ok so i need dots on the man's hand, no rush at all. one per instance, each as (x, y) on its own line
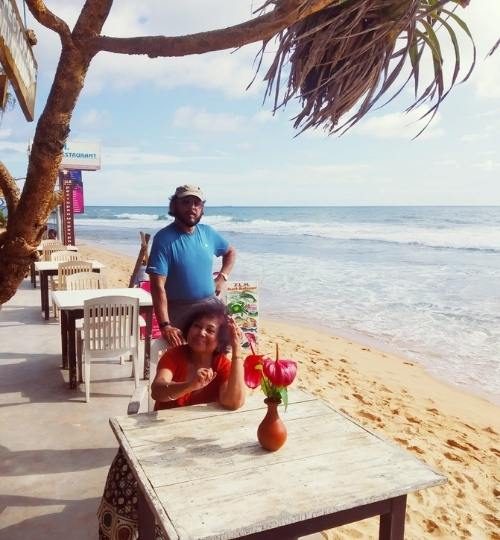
(220, 284)
(173, 336)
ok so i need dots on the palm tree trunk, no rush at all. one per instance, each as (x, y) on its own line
(26, 221)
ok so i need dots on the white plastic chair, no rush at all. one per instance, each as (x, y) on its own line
(85, 280)
(64, 256)
(78, 282)
(110, 329)
(141, 400)
(48, 249)
(49, 242)
(65, 269)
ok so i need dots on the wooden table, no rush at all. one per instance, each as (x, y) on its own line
(70, 304)
(203, 475)
(32, 265)
(50, 268)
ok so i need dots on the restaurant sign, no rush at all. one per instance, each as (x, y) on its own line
(17, 57)
(84, 156)
(242, 300)
(66, 184)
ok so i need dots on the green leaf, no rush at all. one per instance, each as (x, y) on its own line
(283, 392)
(263, 386)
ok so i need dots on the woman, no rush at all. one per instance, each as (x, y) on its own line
(197, 372)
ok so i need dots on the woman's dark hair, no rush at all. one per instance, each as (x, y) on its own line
(217, 312)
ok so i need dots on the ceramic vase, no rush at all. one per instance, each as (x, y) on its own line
(272, 431)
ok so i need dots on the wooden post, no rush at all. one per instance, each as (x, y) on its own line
(143, 256)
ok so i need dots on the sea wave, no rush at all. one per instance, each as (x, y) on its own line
(463, 237)
(483, 238)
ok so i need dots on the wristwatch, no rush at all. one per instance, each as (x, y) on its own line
(164, 324)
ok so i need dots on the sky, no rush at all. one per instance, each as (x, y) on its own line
(170, 121)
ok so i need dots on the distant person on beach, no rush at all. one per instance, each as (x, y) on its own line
(198, 372)
(180, 264)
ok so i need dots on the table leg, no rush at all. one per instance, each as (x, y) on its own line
(44, 294)
(70, 325)
(148, 312)
(392, 524)
(33, 275)
(64, 338)
(146, 518)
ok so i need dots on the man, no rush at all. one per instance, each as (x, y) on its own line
(180, 264)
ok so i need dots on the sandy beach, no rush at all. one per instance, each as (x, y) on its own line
(454, 432)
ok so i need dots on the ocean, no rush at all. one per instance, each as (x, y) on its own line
(423, 282)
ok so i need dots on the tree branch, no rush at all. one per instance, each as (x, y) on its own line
(92, 18)
(9, 188)
(48, 19)
(261, 28)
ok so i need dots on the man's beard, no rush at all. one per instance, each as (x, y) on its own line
(188, 222)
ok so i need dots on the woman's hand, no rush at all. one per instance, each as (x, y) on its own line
(202, 377)
(236, 335)
(232, 392)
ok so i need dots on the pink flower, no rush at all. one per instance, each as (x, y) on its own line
(273, 376)
(281, 372)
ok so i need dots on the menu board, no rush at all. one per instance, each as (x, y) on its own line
(243, 305)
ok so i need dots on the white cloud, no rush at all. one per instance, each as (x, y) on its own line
(487, 114)
(121, 156)
(471, 137)
(488, 81)
(21, 147)
(449, 163)
(488, 165)
(400, 125)
(189, 118)
(94, 118)
(222, 71)
(482, 19)
(337, 173)
(263, 117)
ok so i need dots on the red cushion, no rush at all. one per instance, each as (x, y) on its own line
(155, 330)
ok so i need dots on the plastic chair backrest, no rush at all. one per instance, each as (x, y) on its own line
(63, 256)
(48, 242)
(110, 326)
(85, 280)
(50, 248)
(65, 269)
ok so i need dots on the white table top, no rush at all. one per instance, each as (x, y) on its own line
(208, 478)
(75, 299)
(53, 265)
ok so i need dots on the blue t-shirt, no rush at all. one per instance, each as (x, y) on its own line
(186, 260)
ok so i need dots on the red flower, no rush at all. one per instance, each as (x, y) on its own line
(273, 376)
(281, 372)
(253, 370)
